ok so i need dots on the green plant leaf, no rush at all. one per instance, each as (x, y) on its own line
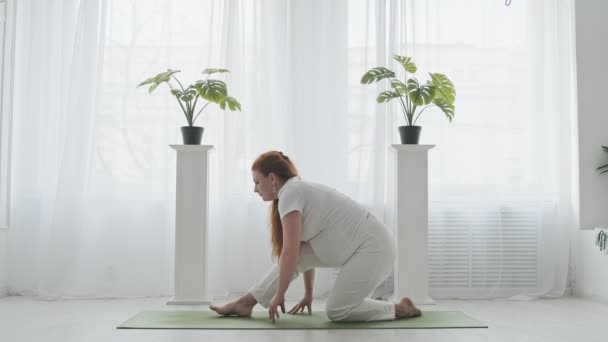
(376, 74)
(445, 87)
(445, 107)
(210, 71)
(176, 92)
(187, 97)
(386, 96)
(191, 90)
(232, 103)
(152, 87)
(212, 90)
(158, 79)
(147, 81)
(605, 167)
(398, 86)
(406, 63)
(420, 94)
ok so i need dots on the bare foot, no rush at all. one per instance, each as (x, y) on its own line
(406, 308)
(241, 307)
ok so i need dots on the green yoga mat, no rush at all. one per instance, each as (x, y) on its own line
(259, 320)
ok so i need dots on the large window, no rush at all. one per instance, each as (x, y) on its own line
(498, 176)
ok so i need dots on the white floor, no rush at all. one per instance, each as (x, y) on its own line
(566, 319)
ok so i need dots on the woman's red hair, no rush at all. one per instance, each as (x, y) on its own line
(279, 164)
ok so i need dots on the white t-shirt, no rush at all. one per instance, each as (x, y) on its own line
(330, 220)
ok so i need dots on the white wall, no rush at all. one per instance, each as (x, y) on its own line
(7, 9)
(591, 55)
(592, 269)
(590, 266)
(6, 59)
(3, 281)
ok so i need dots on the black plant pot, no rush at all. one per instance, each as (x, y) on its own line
(409, 134)
(192, 135)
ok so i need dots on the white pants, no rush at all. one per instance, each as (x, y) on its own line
(369, 265)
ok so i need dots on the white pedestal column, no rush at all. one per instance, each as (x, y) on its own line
(191, 220)
(411, 222)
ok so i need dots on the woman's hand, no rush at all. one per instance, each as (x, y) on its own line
(273, 307)
(305, 302)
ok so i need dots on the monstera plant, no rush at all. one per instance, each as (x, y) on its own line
(209, 90)
(414, 97)
(603, 168)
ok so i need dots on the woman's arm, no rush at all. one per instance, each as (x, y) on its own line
(292, 230)
(306, 302)
(309, 279)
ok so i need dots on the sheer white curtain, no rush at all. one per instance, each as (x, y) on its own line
(94, 180)
(501, 174)
(51, 241)
(94, 183)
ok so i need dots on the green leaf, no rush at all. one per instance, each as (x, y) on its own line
(445, 107)
(158, 79)
(147, 81)
(233, 104)
(445, 87)
(152, 87)
(166, 76)
(187, 97)
(605, 167)
(386, 96)
(420, 94)
(212, 90)
(406, 63)
(210, 71)
(398, 86)
(191, 90)
(376, 74)
(176, 92)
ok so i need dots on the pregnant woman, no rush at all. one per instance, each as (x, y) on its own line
(312, 226)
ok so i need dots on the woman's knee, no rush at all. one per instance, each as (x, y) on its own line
(338, 313)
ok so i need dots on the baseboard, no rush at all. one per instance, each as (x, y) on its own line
(593, 298)
(190, 301)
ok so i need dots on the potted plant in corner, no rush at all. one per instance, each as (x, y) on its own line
(603, 168)
(210, 90)
(413, 97)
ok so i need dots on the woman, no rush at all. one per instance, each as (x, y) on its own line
(313, 225)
